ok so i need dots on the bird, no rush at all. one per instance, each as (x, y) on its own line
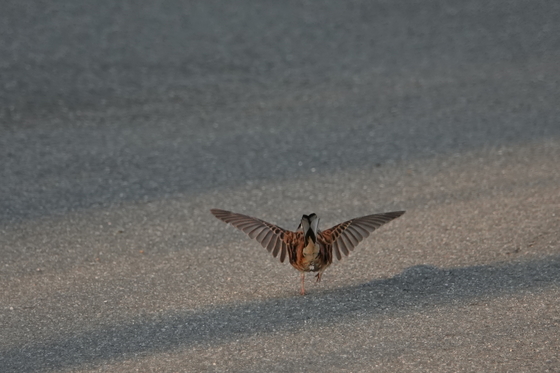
(308, 249)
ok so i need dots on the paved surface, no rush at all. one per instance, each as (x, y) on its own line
(123, 123)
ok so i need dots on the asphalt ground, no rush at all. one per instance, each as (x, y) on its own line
(123, 123)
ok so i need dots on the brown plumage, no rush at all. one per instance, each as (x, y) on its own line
(308, 248)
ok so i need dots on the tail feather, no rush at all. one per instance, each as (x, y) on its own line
(314, 223)
(310, 226)
(304, 224)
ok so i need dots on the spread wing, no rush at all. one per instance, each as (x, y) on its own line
(344, 237)
(270, 236)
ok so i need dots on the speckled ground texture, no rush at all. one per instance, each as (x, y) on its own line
(122, 123)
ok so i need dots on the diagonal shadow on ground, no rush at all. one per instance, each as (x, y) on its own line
(415, 288)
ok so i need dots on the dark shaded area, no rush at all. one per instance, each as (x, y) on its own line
(60, 56)
(107, 102)
(416, 288)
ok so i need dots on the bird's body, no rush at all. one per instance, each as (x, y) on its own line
(308, 249)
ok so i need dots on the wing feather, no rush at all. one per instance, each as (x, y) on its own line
(273, 243)
(357, 233)
(276, 250)
(347, 243)
(256, 231)
(352, 237)
(336, 251)
(260, 238)
(266, 240)
(344, 237)
(342, 246)
(270, 236)
(283, 252)
(363, 232)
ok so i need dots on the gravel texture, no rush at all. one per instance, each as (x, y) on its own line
(123, 123)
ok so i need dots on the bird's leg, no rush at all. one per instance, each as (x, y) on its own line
(302, 292)
(318, 275)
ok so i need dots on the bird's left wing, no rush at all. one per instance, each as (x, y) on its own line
(270, 236)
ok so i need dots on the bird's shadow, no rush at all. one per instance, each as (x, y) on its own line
(416, 287)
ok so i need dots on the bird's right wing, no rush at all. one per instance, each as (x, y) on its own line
(344, 237)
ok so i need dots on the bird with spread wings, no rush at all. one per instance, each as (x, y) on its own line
(308, 249)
